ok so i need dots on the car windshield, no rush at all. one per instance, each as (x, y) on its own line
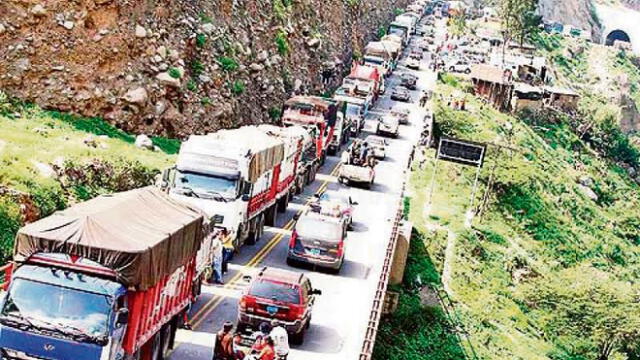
(373, 60)
(275, 291)
(54, 307)
(315, 228)
(206, 184)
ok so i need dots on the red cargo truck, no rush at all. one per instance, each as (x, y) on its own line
(109, 278)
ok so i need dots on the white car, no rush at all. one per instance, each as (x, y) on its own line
(459, 66)
(413, 63)
(378, 146)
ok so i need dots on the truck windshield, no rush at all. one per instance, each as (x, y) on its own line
(373, 60)
(397, 31)
(77, 314)
(205, 185)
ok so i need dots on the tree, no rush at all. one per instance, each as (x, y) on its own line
(458, 24)
(586, 312)
(519, 20)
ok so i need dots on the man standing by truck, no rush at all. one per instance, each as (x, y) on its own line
(223, 348)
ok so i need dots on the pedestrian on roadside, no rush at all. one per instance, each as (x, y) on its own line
(268, 352)
(236, 347)
(223, 348)
(217, 262)
(280, 339)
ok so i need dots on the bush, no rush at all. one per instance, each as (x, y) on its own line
(197, 67)
(382, 31)
(282, 43)
(192, 85)
(175, 73)
(275, 113)
(228, 64)
(10, 222)
(237, 87)
(201, 40)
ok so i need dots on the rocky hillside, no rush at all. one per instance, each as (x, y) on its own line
(577, 13)
(180, 67)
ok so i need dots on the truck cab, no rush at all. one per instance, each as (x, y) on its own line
(51, 313)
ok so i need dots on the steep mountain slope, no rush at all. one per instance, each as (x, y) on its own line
(179, 67)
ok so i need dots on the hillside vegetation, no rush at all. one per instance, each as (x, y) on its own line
(50, 160)
(548, 269)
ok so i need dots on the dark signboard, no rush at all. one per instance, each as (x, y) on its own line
(462, 151)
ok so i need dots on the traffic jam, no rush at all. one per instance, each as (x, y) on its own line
(118, 276)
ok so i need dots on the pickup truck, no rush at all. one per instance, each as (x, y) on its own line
(110, 278)
(357, 165)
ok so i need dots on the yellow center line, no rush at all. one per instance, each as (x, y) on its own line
(205, 310)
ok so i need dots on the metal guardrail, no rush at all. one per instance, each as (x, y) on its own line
(378, 301)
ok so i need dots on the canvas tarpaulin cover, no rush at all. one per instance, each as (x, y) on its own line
(141, 234)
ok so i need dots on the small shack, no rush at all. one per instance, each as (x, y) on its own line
(526, 96)
(493, 84)
(561, 98)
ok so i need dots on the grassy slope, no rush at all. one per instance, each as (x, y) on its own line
(538, 222)
(32, 139)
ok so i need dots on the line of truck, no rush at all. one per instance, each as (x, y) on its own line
(113, 277)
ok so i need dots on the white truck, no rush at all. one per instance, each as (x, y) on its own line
(357, 107)
(236, 182)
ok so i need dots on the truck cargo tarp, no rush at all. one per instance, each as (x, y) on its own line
(143, 235)
(265, 152)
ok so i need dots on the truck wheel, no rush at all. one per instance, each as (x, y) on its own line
(283, 203)
(166, 340)
(271, 215)
(254, 232)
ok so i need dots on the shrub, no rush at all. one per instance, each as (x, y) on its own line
(197, 67)
(237, 87)
(206, 101)
(382, 31)
(275, 113)
(192, 85)
(282, 43)
(205, 19)
(201, 40)
(175, 73)
(10, 222)
(228, 64)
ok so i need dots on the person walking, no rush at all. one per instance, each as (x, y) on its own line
(223, 348)
(280, 339)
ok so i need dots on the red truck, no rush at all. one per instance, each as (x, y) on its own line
(109, 278)
(318, 116)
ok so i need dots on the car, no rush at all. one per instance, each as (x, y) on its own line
(278, 294)
(388, 125)
(378, 146)
(408, 80)
(335, 203)
(318, 240)
(416, 54)
(400, 94)
(459, 66)
(413, 63)
(402, 114)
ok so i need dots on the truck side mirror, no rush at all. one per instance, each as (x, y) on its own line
(316, 292)
(245, 197)
(247, 278)
(122, 317)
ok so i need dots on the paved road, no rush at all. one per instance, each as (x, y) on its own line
(340, 314)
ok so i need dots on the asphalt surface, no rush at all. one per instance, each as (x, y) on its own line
(341, 313)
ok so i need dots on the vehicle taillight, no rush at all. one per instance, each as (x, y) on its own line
(296, 312)
(340, 248)
(292, 240)
(243, 304)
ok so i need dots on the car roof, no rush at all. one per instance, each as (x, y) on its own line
(281, 275)
(374, 138)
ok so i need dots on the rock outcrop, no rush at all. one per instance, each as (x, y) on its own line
(181, 67)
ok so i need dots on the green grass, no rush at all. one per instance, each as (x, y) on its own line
(537, 223)
(282, 43)
(39, 140)
(228, 64)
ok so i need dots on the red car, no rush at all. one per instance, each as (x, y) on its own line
(278, 294)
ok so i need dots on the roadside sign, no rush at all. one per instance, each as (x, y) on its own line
(461, 151)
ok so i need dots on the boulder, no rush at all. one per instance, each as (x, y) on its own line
(586, 191)
(68, 25)
(136, 96)
(140, 32)
(255, 67)
(165, 79)
(144, 142)
(208, 28)
(38, 10)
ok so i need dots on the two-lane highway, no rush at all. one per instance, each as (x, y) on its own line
(341, 313)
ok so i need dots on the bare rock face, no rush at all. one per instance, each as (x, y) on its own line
(180, 67)
(571, 12)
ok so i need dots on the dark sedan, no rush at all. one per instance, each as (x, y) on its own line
(400, 94)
